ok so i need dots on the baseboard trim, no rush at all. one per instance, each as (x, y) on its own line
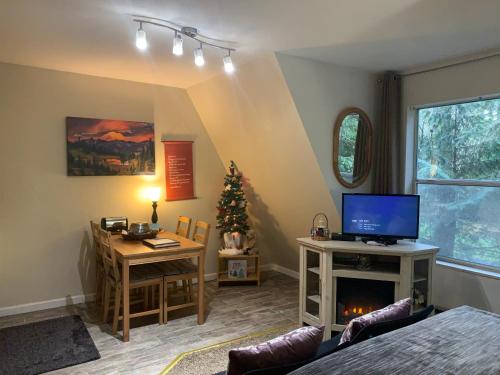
(44, 305)
(73, 300)
(283, 270)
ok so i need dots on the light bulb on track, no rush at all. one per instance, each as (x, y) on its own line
(228, 64)
(140, 39)
(199, 60)
(177, 49)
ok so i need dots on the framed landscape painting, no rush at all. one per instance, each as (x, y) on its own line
(98, 147)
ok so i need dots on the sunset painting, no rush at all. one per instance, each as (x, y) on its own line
(109, 147)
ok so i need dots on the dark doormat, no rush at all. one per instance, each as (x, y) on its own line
(45, 346)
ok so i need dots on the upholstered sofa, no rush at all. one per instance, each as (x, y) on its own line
(331, 346)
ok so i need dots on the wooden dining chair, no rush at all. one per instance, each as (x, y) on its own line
(183, 226)
(182, 229)
(99, 265)
(200, 234)
(140, 277)
(184, 270)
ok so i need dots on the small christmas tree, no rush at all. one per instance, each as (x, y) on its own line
(232, 216)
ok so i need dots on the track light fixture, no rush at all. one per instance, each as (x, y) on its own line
(140, 38)
(177, 46)
(199, 60)
(228, 63)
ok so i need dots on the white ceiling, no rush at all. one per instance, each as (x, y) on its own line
(97, 36)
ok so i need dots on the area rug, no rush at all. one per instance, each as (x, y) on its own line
(213, 358)
(44, 346)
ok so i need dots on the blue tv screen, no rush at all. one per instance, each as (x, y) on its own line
(384, 216)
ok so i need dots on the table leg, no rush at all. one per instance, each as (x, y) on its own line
(201, 287)
(126, 300)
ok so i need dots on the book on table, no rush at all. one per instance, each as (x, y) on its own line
(158, 243)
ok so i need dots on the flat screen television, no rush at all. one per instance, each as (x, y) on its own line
(380, 217)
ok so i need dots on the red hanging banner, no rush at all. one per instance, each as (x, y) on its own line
(179, 170)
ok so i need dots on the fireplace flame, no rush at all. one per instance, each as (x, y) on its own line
(357, 310)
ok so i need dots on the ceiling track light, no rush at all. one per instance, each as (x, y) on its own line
(141, 41)
(228, 63)
(199, 60)
(177, 46)
(177, 49)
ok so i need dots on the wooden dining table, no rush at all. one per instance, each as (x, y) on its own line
(130, 253)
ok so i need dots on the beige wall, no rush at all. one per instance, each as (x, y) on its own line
(320, 91)
(452, 287)
(251, 118)
(44, 240)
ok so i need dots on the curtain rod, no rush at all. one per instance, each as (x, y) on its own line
(465, 60)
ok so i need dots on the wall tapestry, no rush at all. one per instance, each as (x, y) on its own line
(179, 170)
(98, 147)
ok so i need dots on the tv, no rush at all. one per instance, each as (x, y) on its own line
(379, 217)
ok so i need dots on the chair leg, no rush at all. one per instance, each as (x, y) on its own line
(107, 292)
(185, 290)
(146, 298)
(98, 285)
(160, 298)
(191, 293)
(165, 301)
(153, 296)
(116, 312)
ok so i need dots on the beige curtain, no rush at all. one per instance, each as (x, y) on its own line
(387, 163)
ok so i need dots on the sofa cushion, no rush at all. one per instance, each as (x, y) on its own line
(381, 328)
(397, 310)
(296, 346)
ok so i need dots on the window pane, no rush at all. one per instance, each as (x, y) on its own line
(459, 141)
(464, 221)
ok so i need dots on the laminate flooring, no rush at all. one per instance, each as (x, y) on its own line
(232, 312)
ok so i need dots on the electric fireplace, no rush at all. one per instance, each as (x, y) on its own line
(356, 297)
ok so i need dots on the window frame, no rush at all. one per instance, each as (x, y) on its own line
(449, 182)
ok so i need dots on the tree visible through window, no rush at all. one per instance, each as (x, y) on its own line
(348, 133)
(458, 179)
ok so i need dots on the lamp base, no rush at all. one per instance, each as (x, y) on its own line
(154, 217)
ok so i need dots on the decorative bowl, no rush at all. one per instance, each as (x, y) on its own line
(139, 237)
(139, 228)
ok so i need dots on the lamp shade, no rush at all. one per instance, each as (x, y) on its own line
(154, 194)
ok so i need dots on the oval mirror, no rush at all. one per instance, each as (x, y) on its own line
(352, 147)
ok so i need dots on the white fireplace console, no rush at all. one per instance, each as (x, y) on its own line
(332, 272)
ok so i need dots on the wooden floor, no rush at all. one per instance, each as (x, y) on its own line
(232, 312)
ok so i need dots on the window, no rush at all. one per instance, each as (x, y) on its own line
(458, 179)
(347, 145)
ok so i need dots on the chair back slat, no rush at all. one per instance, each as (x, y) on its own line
(183, 226)
(109, 256)
(201, 232)
(96, 237)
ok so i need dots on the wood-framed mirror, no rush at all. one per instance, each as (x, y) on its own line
(352, 147)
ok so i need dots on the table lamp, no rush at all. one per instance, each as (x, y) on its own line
(154, 195)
